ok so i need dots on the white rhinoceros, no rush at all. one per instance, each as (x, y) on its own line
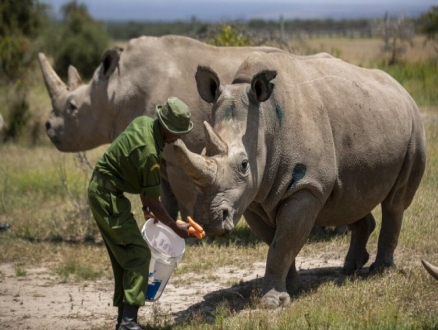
(130, 83)
(303, 141)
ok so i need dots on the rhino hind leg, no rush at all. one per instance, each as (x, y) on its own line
(340, 230)
(388, 239)
(357, 255)
(399, 199)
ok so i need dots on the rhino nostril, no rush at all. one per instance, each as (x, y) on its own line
(48, 126)
(225, 215)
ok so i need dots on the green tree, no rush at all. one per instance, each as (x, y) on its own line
(397, 33)
(78, 40)
(20, 25)
(429, 26)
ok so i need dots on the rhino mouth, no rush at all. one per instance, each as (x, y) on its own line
(51, 133)
(226, 219)
(54, 137)
(222, 225)
(54, 132)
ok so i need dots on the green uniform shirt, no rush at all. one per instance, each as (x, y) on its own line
(132, 162)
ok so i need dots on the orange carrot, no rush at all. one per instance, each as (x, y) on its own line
(195, 225)
(194, 232)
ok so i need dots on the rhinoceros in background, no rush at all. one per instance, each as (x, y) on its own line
(431, 269)
(130, 83)
(303, 141)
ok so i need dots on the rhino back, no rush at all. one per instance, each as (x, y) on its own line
(153, 68)
(342, 131)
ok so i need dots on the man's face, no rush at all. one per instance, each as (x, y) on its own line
(170, 137)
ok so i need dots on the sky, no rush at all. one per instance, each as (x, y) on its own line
(225, 10)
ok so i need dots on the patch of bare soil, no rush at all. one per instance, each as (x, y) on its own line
(39, 300)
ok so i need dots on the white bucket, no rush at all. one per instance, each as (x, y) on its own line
(167, 248)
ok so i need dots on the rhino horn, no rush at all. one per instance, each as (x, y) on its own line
(74, 79)
(214, 143)
(54, 84)
(201, 169)
(431, 269)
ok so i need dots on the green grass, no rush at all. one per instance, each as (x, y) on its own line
(79, 270)
(420, 79)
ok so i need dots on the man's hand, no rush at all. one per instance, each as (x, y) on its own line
(152, 208)
(182, 230)
(148, 214)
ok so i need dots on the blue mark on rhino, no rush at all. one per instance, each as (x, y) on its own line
(280, 114)
(229, 112)
(297, 174)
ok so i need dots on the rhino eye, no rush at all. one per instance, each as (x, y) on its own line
(244, 166)
(72, 107)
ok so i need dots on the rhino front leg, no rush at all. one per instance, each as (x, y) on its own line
(295, 219)
(357, 255)
(293, 280)
(257, 220)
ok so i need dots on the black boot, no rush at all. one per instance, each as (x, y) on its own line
(129, 320)
(119, 316)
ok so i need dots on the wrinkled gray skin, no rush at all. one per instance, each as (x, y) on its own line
(431, 269)
(303, 141)
(130, 83)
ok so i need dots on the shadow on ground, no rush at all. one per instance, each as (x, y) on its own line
(245, 295)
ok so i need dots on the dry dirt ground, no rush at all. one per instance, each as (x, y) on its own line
(40, 300)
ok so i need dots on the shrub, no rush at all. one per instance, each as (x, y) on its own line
(229, 36)
(77, 40)
(20, 24)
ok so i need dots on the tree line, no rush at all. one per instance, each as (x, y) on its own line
(195, 28)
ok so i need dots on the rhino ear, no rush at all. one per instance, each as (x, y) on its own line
(110, 61)
(261, 86)
(208, 83)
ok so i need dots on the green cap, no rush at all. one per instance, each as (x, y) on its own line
(175, 115)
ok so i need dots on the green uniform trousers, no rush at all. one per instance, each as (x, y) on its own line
(127, 249)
